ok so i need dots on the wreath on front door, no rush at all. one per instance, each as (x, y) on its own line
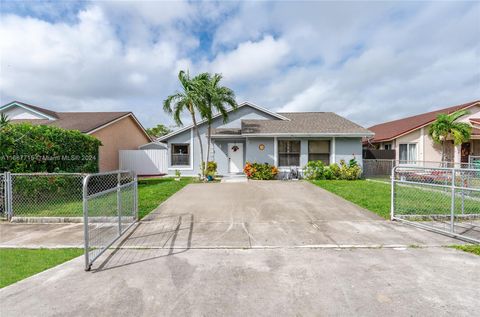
(235, 148)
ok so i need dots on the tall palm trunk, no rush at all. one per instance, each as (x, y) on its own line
(200, 143)
(209, 140)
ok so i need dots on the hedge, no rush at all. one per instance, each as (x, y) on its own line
(25, 148)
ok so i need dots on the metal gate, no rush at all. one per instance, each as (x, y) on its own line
(110, 208)
(445, 200)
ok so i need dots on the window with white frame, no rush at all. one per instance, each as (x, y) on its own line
(387, 146)
(408, 153)
(180, 155)
(288, 153)
(319, 150)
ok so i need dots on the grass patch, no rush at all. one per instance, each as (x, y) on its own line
(471, 248)
(17, 264)
(373, 196)
(153, 191)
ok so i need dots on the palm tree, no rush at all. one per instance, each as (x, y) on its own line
(187, 100)
(445, 126)
(216, 99)
(3, 120)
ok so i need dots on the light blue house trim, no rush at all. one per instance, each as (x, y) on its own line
(261, 148)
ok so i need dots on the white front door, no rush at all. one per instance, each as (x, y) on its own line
(235, 157)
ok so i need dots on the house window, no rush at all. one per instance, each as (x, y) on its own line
(408, 153)
(319, 150)
(387, 146)
(288, 153)
(180, 154)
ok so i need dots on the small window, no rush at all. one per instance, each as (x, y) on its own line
(288, 153)
(319, 150)
(387, 146)
(408, 153)
(180, 154)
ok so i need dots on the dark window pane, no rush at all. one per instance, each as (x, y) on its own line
(403, 153)
(289, 160)
(289, 153)
(180, 154)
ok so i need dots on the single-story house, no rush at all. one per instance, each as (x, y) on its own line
(116, 130)
(256, 134)
(410, 139)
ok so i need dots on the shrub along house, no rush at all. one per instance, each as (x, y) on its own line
(115, 130)
(255, 134)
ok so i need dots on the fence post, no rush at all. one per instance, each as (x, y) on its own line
(8, 196)
(135, 196)
(85, 221)
(463, 194)
(392, 195)
(119, 203)
(452, 207)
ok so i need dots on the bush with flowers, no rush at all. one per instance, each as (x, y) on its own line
(315, 170)
(260, 171)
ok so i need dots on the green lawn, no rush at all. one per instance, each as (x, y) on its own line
(472, 248)
(17, 264)
(151, 192)
(375, 196)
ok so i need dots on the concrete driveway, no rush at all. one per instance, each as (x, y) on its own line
(260, 248)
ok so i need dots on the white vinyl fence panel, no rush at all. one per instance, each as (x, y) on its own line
(144, 162)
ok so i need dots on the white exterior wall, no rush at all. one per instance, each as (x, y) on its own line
(19, 113)
(144, 162)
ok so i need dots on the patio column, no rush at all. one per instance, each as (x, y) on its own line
(275, 151)
(457, 154)
(332, 151)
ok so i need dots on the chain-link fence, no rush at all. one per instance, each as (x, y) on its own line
(3, 197)
(446, 200)
(110, 208)
(45, 195)
(382, 169)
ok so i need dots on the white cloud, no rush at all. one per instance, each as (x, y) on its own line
(369, 61)
(251, 59)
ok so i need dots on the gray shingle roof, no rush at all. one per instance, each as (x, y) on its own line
(304, 122)
(227, 131)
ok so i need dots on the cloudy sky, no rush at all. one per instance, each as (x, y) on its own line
(368, 61)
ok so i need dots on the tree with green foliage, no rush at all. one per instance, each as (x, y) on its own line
(216, 100)
(446, 127)
(27, 148)
(3, 121)
(158, 131)
(189, 100)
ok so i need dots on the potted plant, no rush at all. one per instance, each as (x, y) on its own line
(178, 175)
(211, 170)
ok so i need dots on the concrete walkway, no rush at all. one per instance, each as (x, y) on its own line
(260, 248)
(41, 235)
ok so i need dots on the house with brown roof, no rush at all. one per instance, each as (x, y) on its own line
(116, 130)
(410, 139)
(255, 134)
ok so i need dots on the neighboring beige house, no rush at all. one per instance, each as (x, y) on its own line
(411, 142)
(116, 130)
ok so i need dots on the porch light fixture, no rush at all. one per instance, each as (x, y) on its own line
(261, 147)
